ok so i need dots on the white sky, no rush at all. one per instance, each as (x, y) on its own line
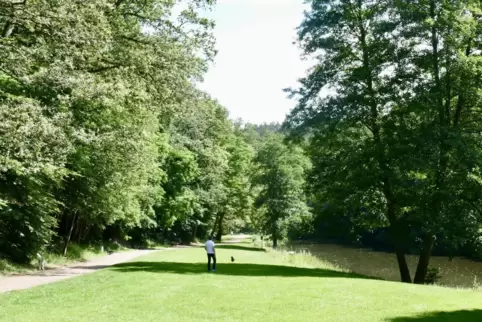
(256, 57)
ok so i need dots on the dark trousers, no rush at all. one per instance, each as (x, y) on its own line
(213, 256)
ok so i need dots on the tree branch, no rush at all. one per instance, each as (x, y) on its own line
(8, 29)
(118, 3)
(24, 2)
(139, 41)
(133, 14)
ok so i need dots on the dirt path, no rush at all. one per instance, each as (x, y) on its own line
(12, 283)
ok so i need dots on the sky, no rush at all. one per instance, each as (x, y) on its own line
(256, 58)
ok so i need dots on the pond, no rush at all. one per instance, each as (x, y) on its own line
(459, 272)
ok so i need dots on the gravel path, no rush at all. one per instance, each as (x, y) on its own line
(12, 283)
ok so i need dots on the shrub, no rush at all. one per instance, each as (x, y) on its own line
(433, 275)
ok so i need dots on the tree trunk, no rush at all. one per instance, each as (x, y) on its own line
(275, 241)
(381, 158)
(424, 260)
(194, 231)
(70, 234)
(8, 29)
(398, 243)
(403, 266)
(215, 225)
(85, 232)
(274, 236)
(78, 230)
(219, 234)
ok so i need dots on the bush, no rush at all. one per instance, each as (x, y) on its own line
(8, 267)
(433, 275)
(23, 235)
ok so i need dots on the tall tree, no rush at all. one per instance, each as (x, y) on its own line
(239, 199)
(352, 46)
(445, 58)
(281, 171)
(382, 140)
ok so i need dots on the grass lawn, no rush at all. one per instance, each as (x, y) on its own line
(174, 285)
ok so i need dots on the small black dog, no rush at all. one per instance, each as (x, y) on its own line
(232, 259)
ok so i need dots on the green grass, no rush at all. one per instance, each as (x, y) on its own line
(7, 268)
(174, 285)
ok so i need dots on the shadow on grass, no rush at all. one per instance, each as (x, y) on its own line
(462, 316)
(238, 247)
(231, 269)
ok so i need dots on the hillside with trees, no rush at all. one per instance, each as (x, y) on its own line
(105, 136)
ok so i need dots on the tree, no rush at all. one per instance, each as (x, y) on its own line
(239, 199)
(34, 150)
(94, 87)
(380, 142)
(281, 170)
(34, 101)
(446, 64)
(352, 50)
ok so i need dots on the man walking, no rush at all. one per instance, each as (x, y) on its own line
(209, 246)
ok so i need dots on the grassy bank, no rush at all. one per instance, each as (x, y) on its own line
(75, 253)
(174, 285)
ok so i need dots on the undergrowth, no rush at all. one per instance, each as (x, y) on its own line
(55, 258)
(302, 259)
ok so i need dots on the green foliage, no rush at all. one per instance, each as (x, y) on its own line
(88, 97)
(433, 275)
(33, 152)
(281, 171)
(105, 136)
(390, 112)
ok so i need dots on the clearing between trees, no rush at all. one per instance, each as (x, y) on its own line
(259, 286)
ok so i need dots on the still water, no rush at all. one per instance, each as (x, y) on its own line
(459, 272)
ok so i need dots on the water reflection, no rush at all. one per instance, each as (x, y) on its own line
(459, 272)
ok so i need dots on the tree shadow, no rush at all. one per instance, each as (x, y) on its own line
(235, 269)
(238, 247)
(462, 315)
